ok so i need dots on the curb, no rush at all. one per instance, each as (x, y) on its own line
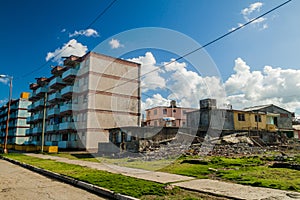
(80, 184)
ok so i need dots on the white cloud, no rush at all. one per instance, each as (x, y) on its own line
(115, 44)
(247, 15)
(3, 101)
(88, 33)
(155, 100)
(71, 48)
(244, 88)
(4, 81)
(188, 86)
(176, 82)
(270, 86)
(154, 80)
(252, 7)
(63, 30)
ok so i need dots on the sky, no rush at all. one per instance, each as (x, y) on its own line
(256, 65)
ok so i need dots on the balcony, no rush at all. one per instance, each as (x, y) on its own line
(52, 128)
(57, 83)
(68, 108)
(69, 75)
(38, 104)
(40, 92)
(13, 115)
(29, 120)
(33, 97)
(13, 107)
(36, 130)
(53, 111)
(38, 117)
(28, 131)
(66, 126)
(31, 107)
(67, 91)
(53, 98)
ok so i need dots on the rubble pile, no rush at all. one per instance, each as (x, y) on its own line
(163, 151)
(239, 144)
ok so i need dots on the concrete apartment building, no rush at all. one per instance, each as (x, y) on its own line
(82, 99)
(167, 116)
(17, 120)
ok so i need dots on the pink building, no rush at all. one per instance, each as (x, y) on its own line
(170, 116)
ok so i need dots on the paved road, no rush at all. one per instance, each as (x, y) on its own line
(19, 183)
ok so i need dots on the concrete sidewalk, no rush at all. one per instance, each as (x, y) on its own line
(219, 188)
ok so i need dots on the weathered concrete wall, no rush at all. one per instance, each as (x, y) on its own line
(284, 120)
(214, 119)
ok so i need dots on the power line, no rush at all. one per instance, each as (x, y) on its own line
(207, 44)
(76, 38)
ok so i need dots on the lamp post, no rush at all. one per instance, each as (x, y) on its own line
(8, 110)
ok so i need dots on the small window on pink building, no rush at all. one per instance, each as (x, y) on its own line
(164, 111)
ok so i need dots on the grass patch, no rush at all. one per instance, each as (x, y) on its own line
(252, 170)
(246, 170)
(77, 156)
(115, 182)
(125, 162)
(146, 190)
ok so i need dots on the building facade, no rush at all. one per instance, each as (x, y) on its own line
(83, 98)
(276, 118)
(167, 116)
(17, 120)
(269, 118)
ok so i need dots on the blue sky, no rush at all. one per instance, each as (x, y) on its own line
(31, 30)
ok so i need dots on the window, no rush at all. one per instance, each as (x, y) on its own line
(85, 98)
(257, 118)
(174, 111)
(155, 112)
(84, 117)
(165, 111)
(65, 137)
(241, 117)
(284, 115)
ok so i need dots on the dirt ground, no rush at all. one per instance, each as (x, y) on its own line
(19, 183)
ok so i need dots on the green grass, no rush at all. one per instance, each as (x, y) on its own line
(247, 170)
(252, 170)
(125, 162)
(115, 182)
(263, 176)
(118, 183)
(77, 156)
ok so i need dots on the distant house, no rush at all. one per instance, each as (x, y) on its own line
(296, 131)
(269, 118)
(17, 120)
(167, 116)
(277, 118)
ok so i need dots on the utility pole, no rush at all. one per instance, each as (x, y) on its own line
(43, 124)
(8, 111)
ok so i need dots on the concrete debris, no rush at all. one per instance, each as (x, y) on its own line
(183, 144)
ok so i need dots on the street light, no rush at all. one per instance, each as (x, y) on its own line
(8, 110)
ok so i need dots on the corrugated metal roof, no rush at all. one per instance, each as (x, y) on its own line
(257, 107)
